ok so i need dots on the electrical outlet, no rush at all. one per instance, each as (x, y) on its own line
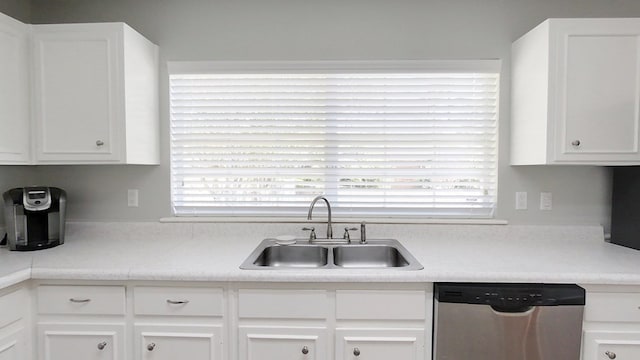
(521, 200)
(132, 197)
(546, 201)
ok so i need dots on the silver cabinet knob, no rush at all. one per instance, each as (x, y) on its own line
(610, 354)
(575, 143)
(356, 352)
(151, 346)
(102, 345)
(305, 350)
(99, 143)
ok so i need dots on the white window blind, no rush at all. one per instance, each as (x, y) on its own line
(403, 144)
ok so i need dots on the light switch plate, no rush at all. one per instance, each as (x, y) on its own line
(546, 201)
(132, 197)
(521, 200)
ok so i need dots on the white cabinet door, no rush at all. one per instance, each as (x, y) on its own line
(282, 343)
(607, 345)
(95, 95)
(576, 93)
(57, 341)
(598, 89)
(13, 344)
(77, 91)
(14, 92)
(170, 342)
(379, 344)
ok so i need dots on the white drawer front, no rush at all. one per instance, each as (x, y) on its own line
(624, 307)
(182, 301)
(13, 306)
(286, 304)
(96, 300)
(380, 304)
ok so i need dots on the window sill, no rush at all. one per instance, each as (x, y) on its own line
(302, 219)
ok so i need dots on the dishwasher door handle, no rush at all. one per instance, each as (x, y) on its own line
(512, 310)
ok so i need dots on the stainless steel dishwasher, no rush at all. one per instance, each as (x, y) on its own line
(480, 321)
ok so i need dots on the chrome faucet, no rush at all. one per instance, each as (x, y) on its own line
(313, 203)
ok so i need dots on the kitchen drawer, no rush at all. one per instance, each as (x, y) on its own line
(623, 307)
(284, 304)
(380, 304)
(83, 300)
(182, 301)
(13, 305)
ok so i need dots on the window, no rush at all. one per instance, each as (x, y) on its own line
(378, 139)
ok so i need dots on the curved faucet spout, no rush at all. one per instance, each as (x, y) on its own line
(313, 203)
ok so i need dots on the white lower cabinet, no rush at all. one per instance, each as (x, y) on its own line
(199, 321)
(363, 322)
(170, 342)
(13, 343)
(15, 330)
(607, 345)
(282, 343)
(62, 341)
(379, 344)
(611, 328)
(178, 322)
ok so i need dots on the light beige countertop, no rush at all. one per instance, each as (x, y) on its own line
(214, 252)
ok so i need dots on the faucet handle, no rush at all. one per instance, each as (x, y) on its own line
(312, 235)
(346, 233)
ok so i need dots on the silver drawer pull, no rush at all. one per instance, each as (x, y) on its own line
(99, 143)
(151, 346)
(102, 345)
(356, 352)
(305, 350)
(177, 302)
(74, 300)
(610, 354)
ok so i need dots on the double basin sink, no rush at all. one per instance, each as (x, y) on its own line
(375, 254)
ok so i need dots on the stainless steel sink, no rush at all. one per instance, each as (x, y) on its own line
(296, 256)
(375, 254)
(368, 256)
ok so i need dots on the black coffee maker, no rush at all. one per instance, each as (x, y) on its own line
(34, 217)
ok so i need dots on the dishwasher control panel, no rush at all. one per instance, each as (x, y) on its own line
(510, 295)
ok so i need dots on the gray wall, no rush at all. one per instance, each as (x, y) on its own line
(329, 30)
(19, 9)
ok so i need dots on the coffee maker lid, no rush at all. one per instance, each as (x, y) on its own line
(36, 198)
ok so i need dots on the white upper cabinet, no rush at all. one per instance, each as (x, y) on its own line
(14, 92)
(576, 93)
(95, 95)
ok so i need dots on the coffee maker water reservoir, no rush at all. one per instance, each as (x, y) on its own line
(34, 217)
